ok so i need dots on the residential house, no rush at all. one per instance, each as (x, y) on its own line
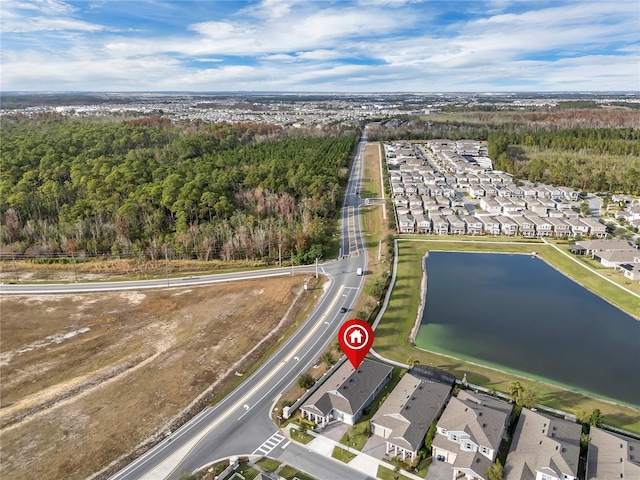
(542, 192)
(490, 190)
(410, 188)
(591, 247)
(491, 206)
(473, 225)
(537, 207)
(596, 229)
(405, 416)
(631, 270)
(560, 228)
(612, 456)
(526, 227)
(554, 192)
(577, 227)
(490, 225)
(569, 194)
(456, 225)
(401, 201)
(406, 224)
(508, 207)
(415, 201)
(612, 259)
(543, 447)
(544, 228)
(346, 393)
(476, 191)
(423, 223)
(469, 433)
(507, 226)
(440, 224)
(397, 188)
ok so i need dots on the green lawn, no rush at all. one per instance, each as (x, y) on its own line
(268, 464)
(343, 455)
(388, 474)
(302, 437)
(289, 473)
(247, 472)
(392, 333)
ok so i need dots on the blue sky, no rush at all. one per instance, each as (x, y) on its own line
(320, 46)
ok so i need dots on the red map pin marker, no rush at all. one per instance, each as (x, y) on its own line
(356, 338)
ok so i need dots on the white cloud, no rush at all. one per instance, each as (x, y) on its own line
(299, 45)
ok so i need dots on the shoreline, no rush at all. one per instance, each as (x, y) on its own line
(423, 300)
(544, 381)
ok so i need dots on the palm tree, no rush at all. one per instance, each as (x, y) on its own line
(516, 389)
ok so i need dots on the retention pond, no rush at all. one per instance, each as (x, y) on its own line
(516, 313)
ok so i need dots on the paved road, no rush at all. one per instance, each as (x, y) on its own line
(240, 424)
(54, 288)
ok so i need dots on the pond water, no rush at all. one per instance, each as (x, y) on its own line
(517, 313)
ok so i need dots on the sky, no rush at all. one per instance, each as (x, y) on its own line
(320, 45)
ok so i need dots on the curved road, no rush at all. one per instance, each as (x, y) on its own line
(241, 423)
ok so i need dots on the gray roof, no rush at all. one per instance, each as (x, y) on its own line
(410, 409)
(472, 461)
(598, 245)
(542, 443)
(620, 256)
(481, 416)
(611, 455)
(347, 390)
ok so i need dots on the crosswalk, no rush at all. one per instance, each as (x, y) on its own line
(269, 444)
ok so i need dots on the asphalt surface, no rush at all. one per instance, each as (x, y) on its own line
(241, 423)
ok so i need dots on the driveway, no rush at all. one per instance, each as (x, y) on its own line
(376, 447)
(439, 471)
(335, 430)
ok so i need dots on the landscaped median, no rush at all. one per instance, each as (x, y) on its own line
(393, 331)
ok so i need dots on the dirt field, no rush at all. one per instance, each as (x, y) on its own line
(86, 378)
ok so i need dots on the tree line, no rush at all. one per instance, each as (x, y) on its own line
(146, 187)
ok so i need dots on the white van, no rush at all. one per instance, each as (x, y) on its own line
(359, 272)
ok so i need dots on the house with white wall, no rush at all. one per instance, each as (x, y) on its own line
(346, 393)
(405, 416)
(469, 433)
(543, 448)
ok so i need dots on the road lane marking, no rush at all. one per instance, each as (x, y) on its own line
(285, 445)
(269, 444)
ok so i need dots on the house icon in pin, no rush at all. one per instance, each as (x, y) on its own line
(355, 337)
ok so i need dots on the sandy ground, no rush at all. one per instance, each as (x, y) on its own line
(86, 378)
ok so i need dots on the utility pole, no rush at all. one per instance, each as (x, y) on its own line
(166, 263)
(316, 268)
(15, 266)
(292, 263)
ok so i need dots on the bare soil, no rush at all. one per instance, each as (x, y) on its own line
(87, 378)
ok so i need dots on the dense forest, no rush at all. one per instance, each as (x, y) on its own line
(592, 150)
(148, 187)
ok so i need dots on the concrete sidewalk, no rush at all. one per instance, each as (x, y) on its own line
(362, 463)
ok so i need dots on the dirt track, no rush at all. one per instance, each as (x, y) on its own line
(86, 378)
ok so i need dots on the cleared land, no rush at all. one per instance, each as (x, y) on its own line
(86, 378)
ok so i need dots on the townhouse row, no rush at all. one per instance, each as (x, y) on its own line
(526, 224)
(470, 427)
